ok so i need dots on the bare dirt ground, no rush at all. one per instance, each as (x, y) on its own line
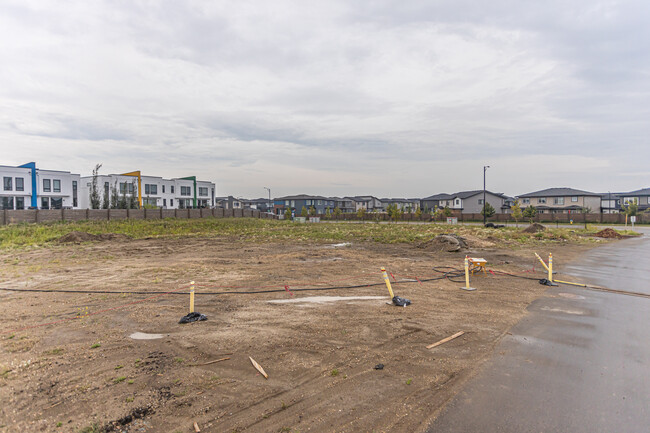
(87, 374)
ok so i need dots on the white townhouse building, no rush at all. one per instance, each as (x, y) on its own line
(181, 193)
(29, 187)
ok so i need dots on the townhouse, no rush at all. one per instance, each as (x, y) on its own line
(151, 191)
(468, 202)
(641, 196)
(367, 202)
(295, 203)
(405, 204)
(561, 200)
(29, 187)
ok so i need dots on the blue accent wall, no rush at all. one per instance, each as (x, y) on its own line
(32, 166)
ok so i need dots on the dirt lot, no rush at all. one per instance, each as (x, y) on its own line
(87, 374)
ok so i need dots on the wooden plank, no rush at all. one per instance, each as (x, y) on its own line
(210, 362)
(196, 428)
(259, 368)
(444, 340)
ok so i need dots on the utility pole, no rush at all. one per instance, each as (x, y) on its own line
(485, 167)
(269, 207)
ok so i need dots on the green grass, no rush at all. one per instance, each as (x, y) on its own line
(334, 372)
(250, 229)
(119, 379)
(96, 345)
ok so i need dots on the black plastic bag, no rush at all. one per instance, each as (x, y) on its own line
(401, 302)
(193, 317)
(546, 282)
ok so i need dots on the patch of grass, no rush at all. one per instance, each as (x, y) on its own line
(59, 424)
(179, 360)
(93, 428)
(119, 379)
(334, 372)
(96, 345)
(118, 367)
(409, 381)
(4, 372)
(252, 229)
(130, 382)
(56, 351)
(129, 400)
(11, 336)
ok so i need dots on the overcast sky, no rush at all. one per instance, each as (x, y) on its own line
(390, 98)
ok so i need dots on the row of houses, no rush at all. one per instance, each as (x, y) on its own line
(551, 200)
(30, 187)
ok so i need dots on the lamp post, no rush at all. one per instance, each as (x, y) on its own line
(269, 190)
(485, 167)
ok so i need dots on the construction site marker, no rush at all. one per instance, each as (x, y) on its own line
(385, 275)
(191, 296)
(467, 287)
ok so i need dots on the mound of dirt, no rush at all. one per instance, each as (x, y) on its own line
(609, 234)
(78, 237)
(445, 242)
(534, 228)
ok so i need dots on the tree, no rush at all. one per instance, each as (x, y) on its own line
(530, 213)
(488, 211)
(106, 204)
(516, 212)
(94, 193)
(303, 212)
(337, 212)
(631, 208)
(361, 212)
(114, 196)
(312, 211)
(133, 201)
(584, 211)
(328, 213)
(122, 202)
(287, 213)
(446, 212)
(418, 213)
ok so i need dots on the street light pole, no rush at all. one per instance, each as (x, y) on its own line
(485, 167)
(269, 190)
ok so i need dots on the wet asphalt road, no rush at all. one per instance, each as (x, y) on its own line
(578, 362)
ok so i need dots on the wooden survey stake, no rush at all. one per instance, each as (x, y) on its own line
(444, 340)
(259, 368)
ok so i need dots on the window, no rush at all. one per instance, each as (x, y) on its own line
(163, 187)
(172, 187)
(20, 184)
(45, 203)
(7, 203)
(480, 201)
(164, 200)
(541, 200)
(150, 189)
(47, 185)
(75, 202)
(20, 202)
(125, 186)
(558, 200)
(56, 203)
(203, 191)
(57, 185)
(7, 184)
(525, 201)
(320, 202)
(150, 201)
(186, 190)
(574, 199)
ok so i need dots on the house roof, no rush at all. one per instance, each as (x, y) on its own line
(607, 195)
(303, 197)
(441, 196)
(643, 191)
(559, 192)
(463, 195)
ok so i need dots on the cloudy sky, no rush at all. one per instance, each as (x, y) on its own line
(391, 98)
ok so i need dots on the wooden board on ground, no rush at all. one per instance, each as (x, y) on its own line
(444, 340)
(259, 368)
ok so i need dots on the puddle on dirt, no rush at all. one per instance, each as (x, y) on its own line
(325, 299)
(144, 336)
(560, 310)
(341, 245)
(570, 296)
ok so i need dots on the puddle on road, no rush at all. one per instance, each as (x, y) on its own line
(144, 336)
(561, 310)
(570, 296)
(325, 299)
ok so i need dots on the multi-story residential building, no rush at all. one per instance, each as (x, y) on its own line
(610, 202)
(345, 204)
(261, 204)
(468, 202)
(29, 187)
(641, 196)
(367, 202)
(561, 200)
(230, 202)
(155, 191)
(297, 202)
(406, 204)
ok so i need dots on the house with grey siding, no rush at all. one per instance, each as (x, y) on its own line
(642, 197)
(468, 202)
(297, 202)
(561, 200)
